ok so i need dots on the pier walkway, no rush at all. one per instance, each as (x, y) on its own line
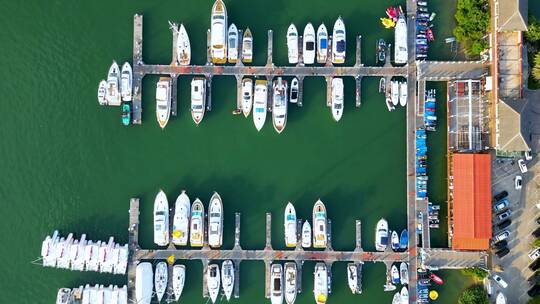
(450, 70)
(452, 259)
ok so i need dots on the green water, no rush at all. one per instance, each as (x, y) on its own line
(68, 164)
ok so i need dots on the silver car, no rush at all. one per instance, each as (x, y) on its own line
(504, 215)
(503, 235)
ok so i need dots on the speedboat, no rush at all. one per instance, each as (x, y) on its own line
(308, 51)
(215, 221)
(279, 105)
(247, 46)
(276, 284)
(404, 295)
(63, 296)
(218, 32)
(394, 241)
(404, 239)
(161, 219)
(339, 45)
(160, 280)
(397, 298)
(320, 284)
(260, 99)
(319, 225)
(388, 22)
(213, 281)
(183, 46)
(126, 113)
(403, 94)
(113, 91)
(48, 244)
(290, 226)
(232, 43)
(178, 280)
(143, 283)
(352, 277)
(198, 98)
(163, 101)
(180, 228)
(337, 98)
(306, 235)
(322, 44)
(381, 50)
(247, 96)
(292, 44)
(126, 81)
(395, 275)
(294, 90)
(196, 231)
(290, 282)
(501, 299)
(404, 273)
(102, 92)
(381, 235)
(400, 45)
(227, 278)
(435, 278)
(394, 91)
(78, 263)
(382, 85)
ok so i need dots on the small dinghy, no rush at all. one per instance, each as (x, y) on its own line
(290, 282)
(404, 295)
(395, 275)
(404, 273)
(352, 277)
(212, 277)
(179, 278)
(160, 280)
(290, 225)
(404, 239)
(435, 278)
(306, 235)
(395, 241)
(227, 278)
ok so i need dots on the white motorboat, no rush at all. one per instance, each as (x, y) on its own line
(160, 280)
(102, 93)
(320, 284)
(290, 282)
(389, 104)
(178, 280)
(306, 235)
(73, 252)
(308, 51)
(122, 295)
(339, 44)
(86, 294)
(227, 278)
(183, 47)
(292, 44)
(394, 272)
(161, 219)
(91, 257)
(394, 241)
(276, 284)
(279, 104)
(232, 43)
(400, 45)
(394, 91)
(63, 296)
(79, 261)
(319, 225)
(260, 100)
(404, 295)
(122, 260)
(196, 231)
(182, 211)
(290, 225)
(126, 82)
(62, 252)
(381, 235)
(501, 299)
(404, 273)
(215, 221)
(213, 281)
(294, 90)
(107, 293)
(163, 101)
(198, 98)
(337, 98)
(352, 277)
(113, 86)
(247, 96)
(114, 295)
(106, 256)
(322, 44)
(48, 244)
(403, 94)
(247, 46)
(397, 298)
(218, 32)
(143, 283)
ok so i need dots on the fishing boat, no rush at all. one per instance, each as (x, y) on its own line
(501, 299)
(381, 235)
(143, 283)
(397, 298)
(227, 278)
(294, 90)
(320, 284)
(394, 240)
(337, 98)
(160, 280)
(113, 86)
(198, 99)
(306, 235)
(183, 47)
(102, 93)
(126, 113)
(182, 212)
(196, 229)
(232, 43)
(339, 45)
(381, 50)
(218, 32)
(400, 46)
(352, 277)
(319, 225)
(213, 281)
(382, 85)
(403, 94)
(247, 96)
(435, 278)
(290, 225)
(322, 44)
(276, 284)
(260, 98)
(404, 273)
(403, 239)
(388, 23)
(247, 46)
(404, 295)
(395, 275)
(292, 44)
(308, 51)
(215, 221)
(161, 219)
(290, 282)
(279, 104)
(394, 91)
(126, 81)
(163, 101)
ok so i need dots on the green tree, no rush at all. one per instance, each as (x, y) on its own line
(536, 242)
(535, 300)
(532, 35)
(476, 272)
(472, 19)
(536, 67)
(473, 295)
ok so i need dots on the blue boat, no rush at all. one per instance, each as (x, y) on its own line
(126, 114)
(404, 239)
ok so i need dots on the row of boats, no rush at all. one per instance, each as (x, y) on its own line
(117, 89)
(84, 255)
(93, 295)
(424, 32)
(397, 94)
(385, 237)
(430, 118)
(146, 281)
(421, 163)
(318, 237)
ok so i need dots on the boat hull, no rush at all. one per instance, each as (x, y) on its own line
(182, 212)
(319, 225)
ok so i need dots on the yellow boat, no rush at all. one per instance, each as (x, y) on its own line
(388, 22)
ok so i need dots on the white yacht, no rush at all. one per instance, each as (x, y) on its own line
(308, 51)
(213, 281)
(196, 231)
(290, 282)
(102, 93)
(232, 43)
(198, 99)
(122, 260)
(160, 280)
(227, 278)
(394, 91)
(306, 235)
(182, 211)
(126, 82)
(292, 44)
(404, 295)
(404, 273)
(322, 44)
(218, 32)
(161, 219)
(48, 245)
(400, 45)
(403, 94)
(122, 295)
(279, 104)
(183, 47)
(290, 225)
(113, 85)
(247, 96)
(215, 221)
(352, 277)
(178, 280)
(294, 90)
(143, 283)
(319, 225)
(320, 284)
(276, 284)
(337, 98)
(260, 100)
(163, 101)
(394, 273)
(63, 296)
(339, 44)
(247, 46)
(381, 235)
(79, 261)
(91, 256)
(62, 252)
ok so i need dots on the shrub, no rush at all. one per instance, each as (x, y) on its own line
(536, 67)
(473, 295)
(472, 18)
(475, 272)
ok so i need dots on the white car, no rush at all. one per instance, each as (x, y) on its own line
(534, 254)
(502, 235)
(528, 155)
(500, 281)
(522, 166)
(517, 182)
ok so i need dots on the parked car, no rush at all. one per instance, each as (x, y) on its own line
(504, 215)
(501, 205)
(503, 235)
(535, 265)
(534, 278)
(518, 182)
(534, 291)
(536, 233)
(500, 195)
(534, 254)
(500, 281)
(522, 166)
(538, 220)
(528, 155)
(504, 224)
(500, 245)
(501, 253)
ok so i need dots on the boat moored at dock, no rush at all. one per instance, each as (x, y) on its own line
(337, 98)
(260, 100)
(394, 272)
(247, 96)
(126, 82)
(161, 219)
(183, 47)
(218, 32)
(403, 94)
(227, 277)
(102, 93)
(163, 101)
(339, 44)
(232, 44)
(294, 91)
(196, 231)
(276, 283)
(381, 235)
(404, 295)
(352, 277)
(322, 44)
(182, 211)
(403, 239)
(290, 225)
(279, 105)
(213, 281)
(381, 51)
(113, 85)
(290, 282)
(292, 44)
(404, 273)
(400, 45)
(394, 240)
(394, 91)
(144, 285)
(198, 99)
(308, 52)
(215, 221)
(320, 284)
(306, 235)
(247, 46)
(178, 280)
(160, 280)
(319, 225)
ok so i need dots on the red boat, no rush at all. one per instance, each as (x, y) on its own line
(392, 13)
(429, 34)
(436, 279)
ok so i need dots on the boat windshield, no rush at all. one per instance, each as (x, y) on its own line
(337, 106)
(277, 284)
(294, 95)
(310, 45)
(340, 46)
(322, 44)
(218, 17)
(232, 42)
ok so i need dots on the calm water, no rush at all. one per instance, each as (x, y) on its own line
(68, 164)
